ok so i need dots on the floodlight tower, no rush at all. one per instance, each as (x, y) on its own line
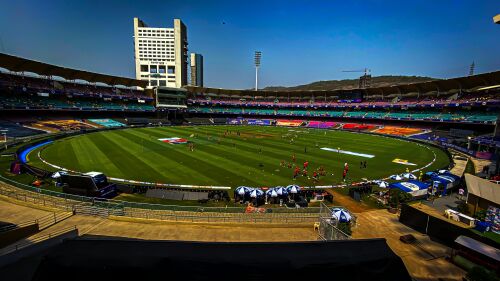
(257, 57)
(4, 133)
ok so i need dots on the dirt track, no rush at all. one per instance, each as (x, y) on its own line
(347, 202)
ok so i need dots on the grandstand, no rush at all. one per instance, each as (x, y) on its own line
(146, 178)
(108, 123)
(467, 100)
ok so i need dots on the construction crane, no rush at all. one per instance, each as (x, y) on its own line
(365, 70)
(365, 80)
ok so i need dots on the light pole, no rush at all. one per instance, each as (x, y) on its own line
(257, 57)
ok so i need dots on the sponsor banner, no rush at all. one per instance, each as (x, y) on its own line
(414, 187)
(263, 122)
(484, 155)
(289, 123)
(234, 121)
(174, 140)
(477, 154)
(403, 162)
(348, 152)
(459, 148)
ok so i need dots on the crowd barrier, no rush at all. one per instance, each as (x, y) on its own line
(92, 206)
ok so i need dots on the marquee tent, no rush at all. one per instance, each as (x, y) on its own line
(414, 187)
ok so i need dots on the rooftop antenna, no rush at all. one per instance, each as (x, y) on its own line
(472, 68)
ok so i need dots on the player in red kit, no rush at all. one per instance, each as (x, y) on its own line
(296, 172)
(306, 164)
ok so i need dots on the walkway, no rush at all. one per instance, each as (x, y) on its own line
(425, 262)
(159, 230)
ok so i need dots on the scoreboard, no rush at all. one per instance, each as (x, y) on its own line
(170, 97)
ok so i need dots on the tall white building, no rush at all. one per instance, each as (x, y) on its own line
(196, 70)
(161, 54)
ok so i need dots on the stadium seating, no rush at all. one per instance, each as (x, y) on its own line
(15, 130)
(358, 127)
(398, 131)
(25, 92)
(61, 125)
(459, 116)
(289, 123)
(455, 100)
(321, 125)
(107, 123)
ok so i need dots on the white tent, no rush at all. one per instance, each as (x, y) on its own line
(396, 177)
(409, 176)
(383, 184)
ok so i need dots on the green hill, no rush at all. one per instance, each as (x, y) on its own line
(347, 84)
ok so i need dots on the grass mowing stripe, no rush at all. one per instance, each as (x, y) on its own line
(215, 161)
(156, 162)
(221, 164)
(183, 156)
(286, 174)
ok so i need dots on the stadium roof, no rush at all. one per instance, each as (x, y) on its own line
(444, 85)
(18, 64)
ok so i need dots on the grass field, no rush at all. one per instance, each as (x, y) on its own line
(250, 158)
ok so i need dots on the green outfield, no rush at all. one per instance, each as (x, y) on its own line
(234, 155)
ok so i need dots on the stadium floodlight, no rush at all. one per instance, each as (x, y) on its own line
(257, 57)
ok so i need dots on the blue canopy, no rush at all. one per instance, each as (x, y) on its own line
(442, 179)
(446, 179)
(431, 174)
(415, 187)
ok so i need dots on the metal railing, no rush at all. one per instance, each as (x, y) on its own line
(36, 239)
(42, 222)
(328, 226)
(91, 206)
(69, 200)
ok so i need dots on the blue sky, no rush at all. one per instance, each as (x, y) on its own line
(301, 41)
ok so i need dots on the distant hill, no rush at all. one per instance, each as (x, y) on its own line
(347, 84)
